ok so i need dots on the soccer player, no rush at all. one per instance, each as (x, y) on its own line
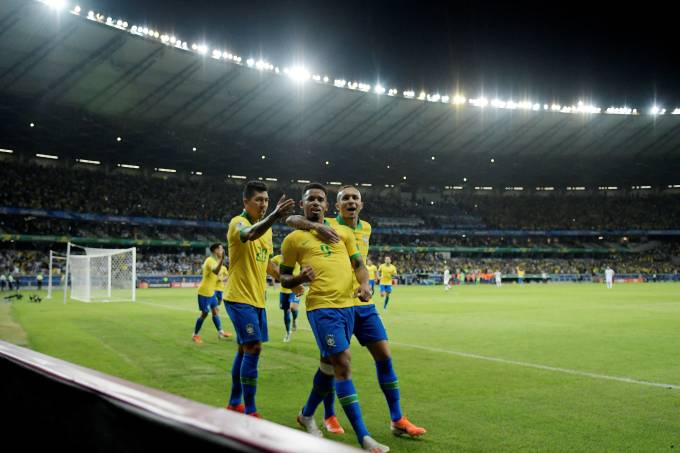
(330, 308)
(39, 280)
(609, 277)
(447, 278)
(250, 248)
(207, 301)
(368, 327)
(372, 270)
(386, 271)
(499, 278)
(221, 284)
(289, 301)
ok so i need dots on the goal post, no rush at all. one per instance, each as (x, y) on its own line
(57, 260)
(100, 275)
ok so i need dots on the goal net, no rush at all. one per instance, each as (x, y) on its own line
(101, 275)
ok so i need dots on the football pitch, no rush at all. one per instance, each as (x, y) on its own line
(518, 368)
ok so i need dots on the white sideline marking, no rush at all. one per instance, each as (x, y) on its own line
(468, 355)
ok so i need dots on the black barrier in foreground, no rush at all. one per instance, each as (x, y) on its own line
(49, 403)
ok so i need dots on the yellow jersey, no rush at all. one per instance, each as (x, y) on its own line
(208, 278)
(278, 259)
(362, 236)
(387, 272)
(221, 285)
(248, 262)
(333, 285)
(371, 271)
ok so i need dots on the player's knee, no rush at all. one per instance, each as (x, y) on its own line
(253, 348)
(380, 350)
(204, 314)
(342, 365)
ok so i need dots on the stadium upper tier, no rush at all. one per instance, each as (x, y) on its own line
(65, 188)
(99, 91)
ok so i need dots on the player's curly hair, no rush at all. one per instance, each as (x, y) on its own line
(214, 247)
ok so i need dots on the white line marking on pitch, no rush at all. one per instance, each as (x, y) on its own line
(468, 355)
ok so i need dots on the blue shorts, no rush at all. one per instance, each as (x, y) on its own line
(286, 299)
(385, 288)
(372, 283)
(218, 296)
(332, 328)
(368, 327)
(205, 303)
(250, 323)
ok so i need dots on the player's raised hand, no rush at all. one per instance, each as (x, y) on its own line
(327, 233)
(285, 206)
(363, 292)
(307, 274)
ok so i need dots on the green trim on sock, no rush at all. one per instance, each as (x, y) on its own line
(248, 381)
(390, 385)
(349, 399)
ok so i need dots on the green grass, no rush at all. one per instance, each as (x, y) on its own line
(467, 403)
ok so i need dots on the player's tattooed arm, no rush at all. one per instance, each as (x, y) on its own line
(363, 292)
(326, 232)
(289, 281)
(283, 209)
(274, 270)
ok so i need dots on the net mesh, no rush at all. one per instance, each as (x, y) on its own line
(103, 275)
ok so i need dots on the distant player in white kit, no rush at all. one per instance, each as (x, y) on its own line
(498, 277)
(609, 277)
(447, 279)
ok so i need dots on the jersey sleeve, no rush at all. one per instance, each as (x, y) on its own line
(350, 243)
(289, 253)
(236, 226)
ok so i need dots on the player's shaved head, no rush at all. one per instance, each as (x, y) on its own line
(347, 188)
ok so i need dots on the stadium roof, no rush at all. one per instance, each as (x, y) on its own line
(84, 84)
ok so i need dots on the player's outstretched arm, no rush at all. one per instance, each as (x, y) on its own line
(326, 232)
(283, 209)
(274, 270)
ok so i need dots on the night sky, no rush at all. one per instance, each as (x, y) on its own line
(551, 51)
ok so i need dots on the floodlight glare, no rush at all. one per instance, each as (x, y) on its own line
(56, 4)
(299, 73)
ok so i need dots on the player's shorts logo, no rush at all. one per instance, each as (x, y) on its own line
(250, 329)
(330, 340)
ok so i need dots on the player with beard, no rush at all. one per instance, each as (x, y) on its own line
(368, 327)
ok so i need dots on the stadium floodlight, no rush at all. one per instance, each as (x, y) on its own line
(271, 179)
(464, 179)
(166, 170)
(250, 62)
(303, 181)
(655, 110)
(576, 188)
(90, 15)
(7, 151)
(618, 111)
(365, 87)
(409, 94)
(237, 176)
(76, 9)
(492, 160)
(119, 139)
(130, 166)
(87, 161)
(498, 104)
(379, 89)
(479, 102)
(404, 178)
(197, 173)
(217, 54)
(340, 83)
(328, 163)
(31, 125)
(392, 92)
(299, 74)
(316, 77)
(335, 183)
(194, 149)
(422, 96)
(56, 4)
(445, 99)
(433, 157)
(459, 99)
(109, 21)
(457, 187)
(676, 111)
(433, 97)
(263, 157)
(47, 156)
(366, 184)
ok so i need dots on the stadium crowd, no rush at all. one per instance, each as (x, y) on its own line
(96, 191)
